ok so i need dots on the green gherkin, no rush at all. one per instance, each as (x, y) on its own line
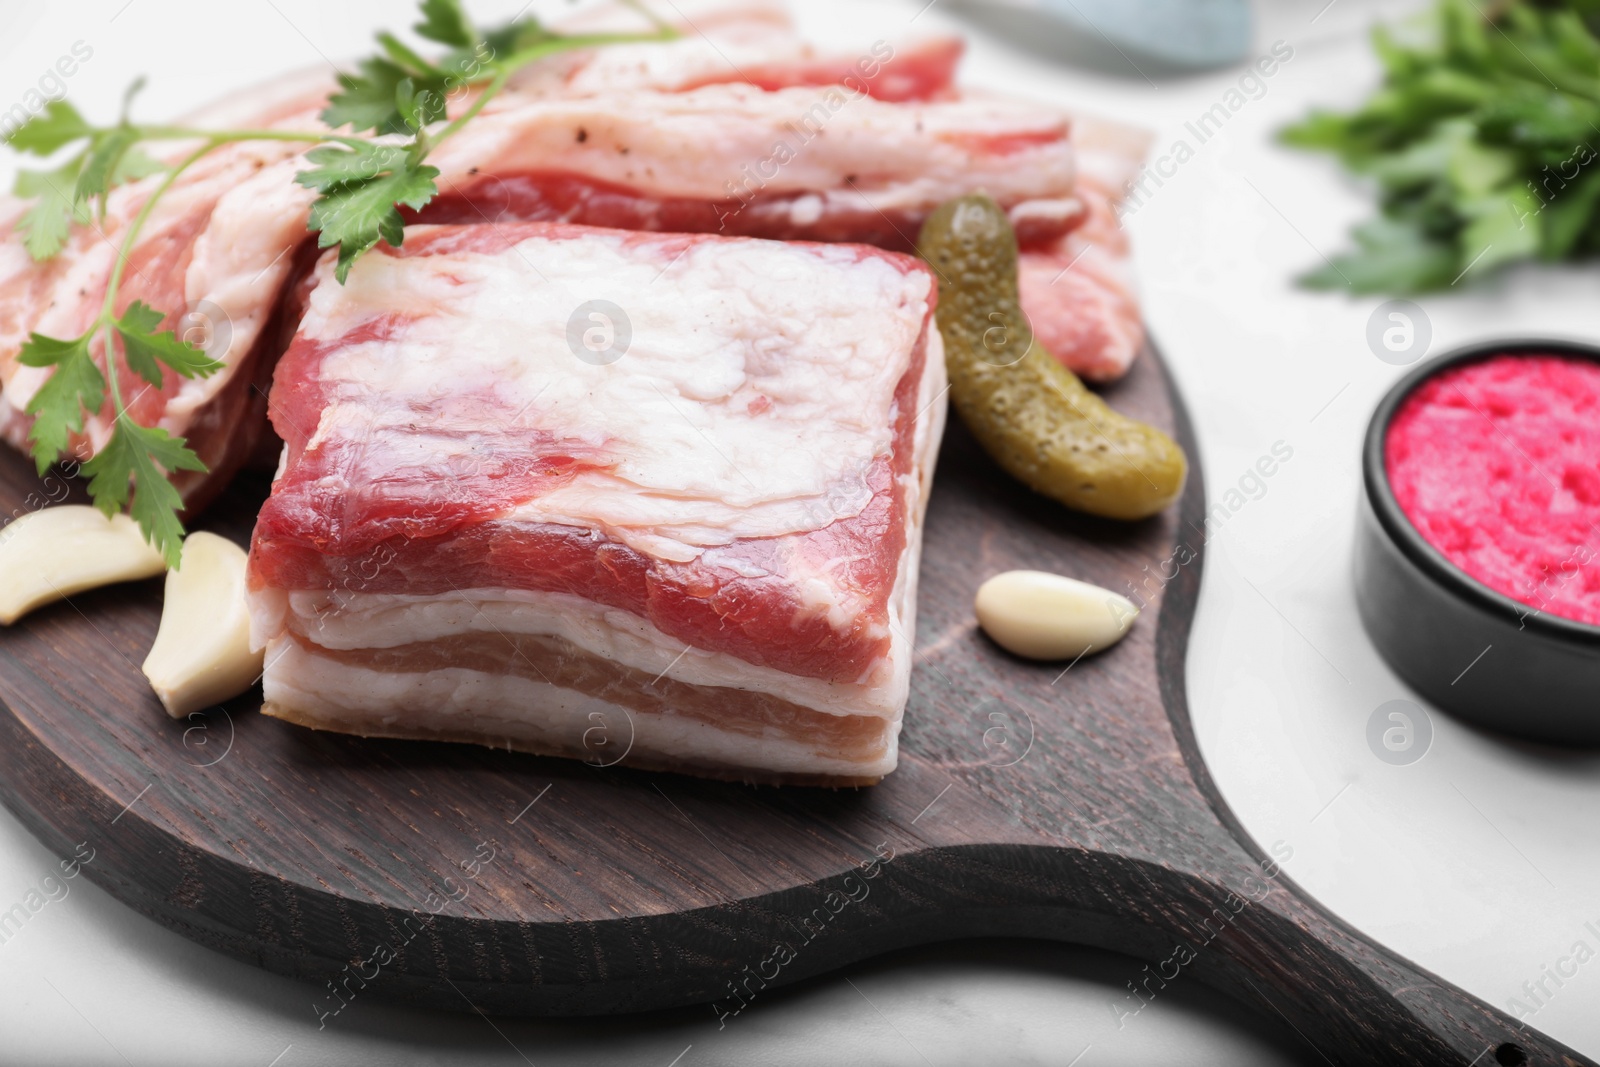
(1030, 413)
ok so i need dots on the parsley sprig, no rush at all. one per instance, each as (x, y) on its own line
(395, 107)
(1484, 144)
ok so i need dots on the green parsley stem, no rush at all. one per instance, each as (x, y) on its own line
(219, 137)
(108, 313)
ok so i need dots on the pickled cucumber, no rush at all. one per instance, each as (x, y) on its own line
(1030, 413)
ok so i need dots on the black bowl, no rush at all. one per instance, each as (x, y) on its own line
(1469, 649)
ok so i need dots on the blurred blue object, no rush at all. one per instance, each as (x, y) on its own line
(1124, 36)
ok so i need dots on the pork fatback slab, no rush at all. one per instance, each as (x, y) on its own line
(636, 497)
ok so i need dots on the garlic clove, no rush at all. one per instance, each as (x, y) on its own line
(50, 554)
(1041, 615)
(202, 655)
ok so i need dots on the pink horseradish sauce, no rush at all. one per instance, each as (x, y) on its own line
(1497, 465)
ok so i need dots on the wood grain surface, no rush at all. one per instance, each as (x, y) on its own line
(1030, 800)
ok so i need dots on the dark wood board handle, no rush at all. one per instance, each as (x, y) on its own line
(1030, 801)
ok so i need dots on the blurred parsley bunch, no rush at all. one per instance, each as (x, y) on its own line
(1484, 143)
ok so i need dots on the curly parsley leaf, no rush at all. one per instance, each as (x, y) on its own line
(46, 225)
(445, 22)
(417, 107)
(143, 456)
(145, 349)
(366, 101)
(100, 166)
(58, 407)
(362, 192)
(58, 125)
(357, 217)
(140, 455)
(389, 98)
(110, 159)
(335, 166)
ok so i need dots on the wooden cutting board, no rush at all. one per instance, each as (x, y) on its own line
(1032, 800)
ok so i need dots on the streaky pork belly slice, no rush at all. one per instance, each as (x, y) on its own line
(217, 255)
(799, 163)
(760, 54)
(1078, 290)
(739, 41)
(546, 484)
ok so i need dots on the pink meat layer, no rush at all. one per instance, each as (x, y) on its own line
(1494, 464)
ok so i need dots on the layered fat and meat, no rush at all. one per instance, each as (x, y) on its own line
(620, 496)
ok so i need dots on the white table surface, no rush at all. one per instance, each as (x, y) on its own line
(1480, 861)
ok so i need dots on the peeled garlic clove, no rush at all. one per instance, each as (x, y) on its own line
(50, 554)
(1047, 616)
(202, 652)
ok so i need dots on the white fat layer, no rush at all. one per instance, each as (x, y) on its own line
(752, 399)
(509, 708)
